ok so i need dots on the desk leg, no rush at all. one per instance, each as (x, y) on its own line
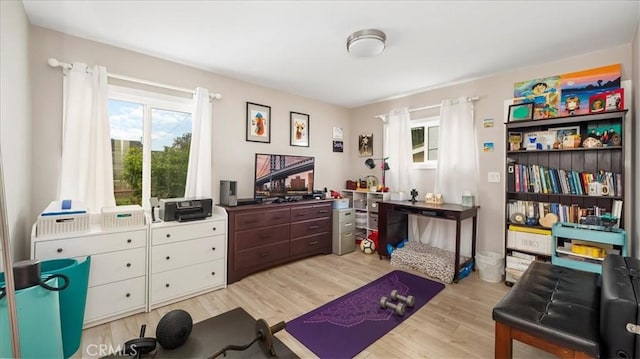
(456, 266)
(474, 233)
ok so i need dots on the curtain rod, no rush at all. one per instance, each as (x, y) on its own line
(55, 63)
(431, 107)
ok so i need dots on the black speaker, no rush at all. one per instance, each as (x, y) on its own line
(174, 329)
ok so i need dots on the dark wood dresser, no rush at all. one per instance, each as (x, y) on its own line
(262, 236)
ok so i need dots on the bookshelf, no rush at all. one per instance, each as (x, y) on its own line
(551, 170)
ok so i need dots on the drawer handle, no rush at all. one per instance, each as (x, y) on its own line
(214, 228)
(250, 221)
(213, 248)
(128, 295)
(166, 285)
(348, 234)
(213, 273)
(128, 264)
(323, 211)
(129, 240)
(59, 250)
(313, 227)
(168, 235)
(348, 214)
(348, 224)
(168, 257)
(264, 254)
(265, 236)
(313, 243)
(302, 214)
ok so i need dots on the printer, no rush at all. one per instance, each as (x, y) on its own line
(185, 209)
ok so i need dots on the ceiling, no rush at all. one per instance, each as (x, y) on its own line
(300, 46)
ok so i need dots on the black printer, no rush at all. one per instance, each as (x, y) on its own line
(185, 209)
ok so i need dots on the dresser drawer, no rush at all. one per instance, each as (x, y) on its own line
(313, 211)
(109, 299)
(250, 220)
(261, 236)
(348, 236)
(309, 227)
(344, 215)
(179, 282)
(186, 231)
(181, 254)
(348, 226)
(89, 245)
(116, 266)
(264, 254)
(277, 216)
(318, 243)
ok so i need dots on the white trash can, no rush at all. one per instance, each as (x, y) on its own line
(490, 266)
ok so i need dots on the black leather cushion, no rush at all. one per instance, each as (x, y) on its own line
(557, 304)
(620, 288)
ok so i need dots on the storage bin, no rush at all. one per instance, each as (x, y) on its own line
(340, 203)
(490, 265)
(359, 204)
(122, 216)
(55, 220)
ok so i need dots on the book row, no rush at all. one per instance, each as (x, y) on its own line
(566, 213)
(541, 179)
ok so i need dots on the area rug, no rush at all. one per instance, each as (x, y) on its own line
(347, 325)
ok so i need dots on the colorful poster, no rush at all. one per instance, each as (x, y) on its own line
(543, 93)
(578, 87)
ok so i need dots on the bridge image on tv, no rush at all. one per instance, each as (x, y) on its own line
(280, 175)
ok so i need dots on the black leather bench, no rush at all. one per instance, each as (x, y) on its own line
(571, 313)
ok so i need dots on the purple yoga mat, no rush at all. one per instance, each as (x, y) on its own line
(345, 326)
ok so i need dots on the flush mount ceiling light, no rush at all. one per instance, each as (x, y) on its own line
(366, 43)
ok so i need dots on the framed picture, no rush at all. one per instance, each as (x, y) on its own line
(521, 112)
(596, 103)
(299, 129)
(258, 123)
(365, 145)
(567, 137)
(614, 100)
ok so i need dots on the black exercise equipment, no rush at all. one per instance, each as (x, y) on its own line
(174, 329)
(27, 274)
(409, 300)
(398, 308)
(264, 334)
(140, 346)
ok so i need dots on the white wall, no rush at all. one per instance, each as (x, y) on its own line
(233, 157)
(492, 90)
(15, 122)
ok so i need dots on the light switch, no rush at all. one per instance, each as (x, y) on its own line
(493, 177)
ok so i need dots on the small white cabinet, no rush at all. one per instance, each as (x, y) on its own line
(365, 205)
(187, 258)
(117, 276)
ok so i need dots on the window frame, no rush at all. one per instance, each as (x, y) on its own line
(149, 100)
(426, 122)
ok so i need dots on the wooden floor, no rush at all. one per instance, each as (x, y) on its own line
(456, 323)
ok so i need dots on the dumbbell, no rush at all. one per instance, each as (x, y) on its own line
(398, 308)
(408, 300)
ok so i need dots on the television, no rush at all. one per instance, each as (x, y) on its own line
(283, 175)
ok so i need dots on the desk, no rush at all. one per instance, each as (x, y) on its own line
(393, 222)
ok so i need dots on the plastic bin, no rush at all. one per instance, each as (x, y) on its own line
(490, 266)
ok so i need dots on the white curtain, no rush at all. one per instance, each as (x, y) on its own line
(397, 147)
(199, 170)
(457, 171)
(86, 172)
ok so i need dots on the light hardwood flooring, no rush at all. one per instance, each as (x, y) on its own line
(456, 323)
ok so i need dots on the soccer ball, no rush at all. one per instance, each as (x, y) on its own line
(367, 246)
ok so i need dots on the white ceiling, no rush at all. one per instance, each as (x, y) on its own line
(300, 46)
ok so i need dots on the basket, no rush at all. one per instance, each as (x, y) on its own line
(55, 220)
(122, 216)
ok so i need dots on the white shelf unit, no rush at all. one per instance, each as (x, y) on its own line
(365, 205)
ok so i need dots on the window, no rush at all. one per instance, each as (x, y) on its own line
(424, 142)
(150, 141)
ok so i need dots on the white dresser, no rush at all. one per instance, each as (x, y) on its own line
(187, 259)
(117, 276)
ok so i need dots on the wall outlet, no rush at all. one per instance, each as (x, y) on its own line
(493, 177)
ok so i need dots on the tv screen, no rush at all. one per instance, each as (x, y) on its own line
(283, 175)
